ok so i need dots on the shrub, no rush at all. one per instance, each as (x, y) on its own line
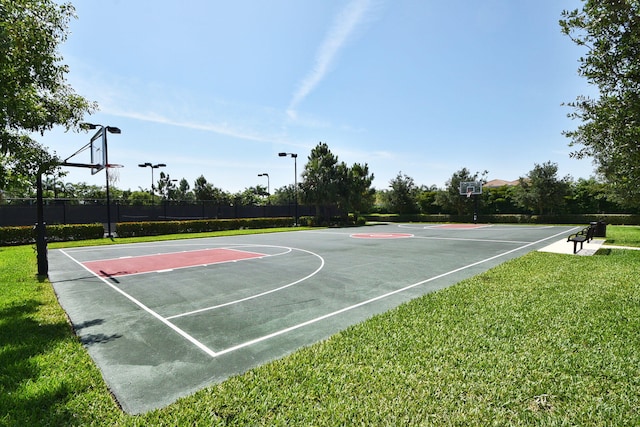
(25, 235)
(156, 228)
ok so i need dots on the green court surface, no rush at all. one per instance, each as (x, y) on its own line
(163, 320)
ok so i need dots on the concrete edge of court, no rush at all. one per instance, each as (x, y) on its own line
(589, 248)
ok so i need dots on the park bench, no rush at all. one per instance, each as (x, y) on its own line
(584, 235)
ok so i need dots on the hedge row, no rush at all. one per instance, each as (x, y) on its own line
(58, 233)
(156, 228)
(616, 219)
(55, 233)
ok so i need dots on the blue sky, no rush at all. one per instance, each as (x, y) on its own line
(218, 88)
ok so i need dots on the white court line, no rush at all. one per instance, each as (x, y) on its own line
(523, 227)
(464, 239)
(260, 294)
(148, 310)
(380, 297)
(452, 227)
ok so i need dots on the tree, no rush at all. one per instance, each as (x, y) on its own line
(140, 198)
(500, 200)
(401, 198)
(284, 195)
(166, 186)
(590, 196)
(202, 189)
(541, 191)
(320, 179)
(357, 191)
(610, 128)
(34, 95)
(86, 191)
(205, 191)
(182, 193)
(252, 196)
(451, 200)
(426, 199)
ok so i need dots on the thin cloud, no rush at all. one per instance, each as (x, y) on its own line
(220, 128)
(343, 27)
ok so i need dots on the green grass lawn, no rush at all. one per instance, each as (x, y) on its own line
(545, 339)
(623, 235)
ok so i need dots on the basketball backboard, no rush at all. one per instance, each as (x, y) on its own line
(98, 151)
(470, 188)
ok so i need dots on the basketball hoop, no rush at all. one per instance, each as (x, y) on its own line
(470, 188)
(113, 173)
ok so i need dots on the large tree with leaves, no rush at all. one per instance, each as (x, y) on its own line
(609, 30)
(34, 94)
(205, 191)
(401, 198)
(541, 191)
(358, 194)
(320, 179)
(327, 183)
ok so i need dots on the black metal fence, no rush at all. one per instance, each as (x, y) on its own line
(68, 211)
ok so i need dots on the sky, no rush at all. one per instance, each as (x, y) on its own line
(420, 88)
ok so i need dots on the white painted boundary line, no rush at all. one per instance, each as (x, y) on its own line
(148, 310)
(378, 298)
(288, 285)
(464, 239)
(452, 227)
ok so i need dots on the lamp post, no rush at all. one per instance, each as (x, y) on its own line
(267, 175)
(295, 181)
(106, 130)
(152, 166)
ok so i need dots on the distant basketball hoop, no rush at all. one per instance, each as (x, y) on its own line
(470, 188)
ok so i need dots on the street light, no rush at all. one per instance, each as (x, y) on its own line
(152, 166)
(108, 129)
(295, 180)
(267, 175)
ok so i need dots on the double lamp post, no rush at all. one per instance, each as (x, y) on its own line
(152, 166)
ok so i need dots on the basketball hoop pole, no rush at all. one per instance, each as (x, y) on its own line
(475, 209)
(41, 228)
(472, 189)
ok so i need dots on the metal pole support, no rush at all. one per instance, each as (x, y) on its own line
(41, 231)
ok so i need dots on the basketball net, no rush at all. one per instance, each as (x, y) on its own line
(469, 193)
(113, 174)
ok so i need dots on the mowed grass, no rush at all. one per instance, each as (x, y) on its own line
(623, 235)
(545, 339)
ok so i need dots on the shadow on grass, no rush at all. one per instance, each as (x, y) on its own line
(28, 396)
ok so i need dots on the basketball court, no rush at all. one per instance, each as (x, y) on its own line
(165, 319)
